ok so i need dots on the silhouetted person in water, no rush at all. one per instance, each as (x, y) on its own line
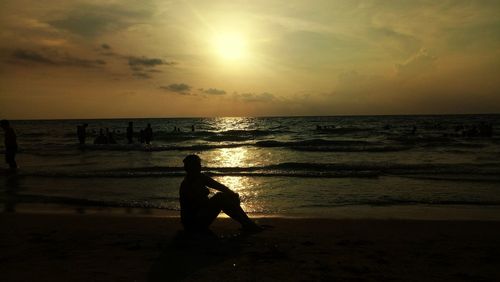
(130, 132)
(81, 133)
(109, 137)
(101, 139)
(141, 136)
(198, 211)
(148, 134)
(10, 144)
(485, 129)
(192, 128)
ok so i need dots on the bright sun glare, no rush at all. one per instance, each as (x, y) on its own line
(230, 46)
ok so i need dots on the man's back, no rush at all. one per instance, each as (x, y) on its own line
(193, 190)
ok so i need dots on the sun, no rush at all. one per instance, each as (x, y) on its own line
(230, 46)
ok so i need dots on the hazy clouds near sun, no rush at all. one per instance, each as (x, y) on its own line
(78, 59)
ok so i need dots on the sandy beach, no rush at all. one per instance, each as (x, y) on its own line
(65, 247)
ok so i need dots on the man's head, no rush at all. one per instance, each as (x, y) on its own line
(192, 164)
(4, 123)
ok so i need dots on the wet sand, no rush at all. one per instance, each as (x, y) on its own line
(65, 247)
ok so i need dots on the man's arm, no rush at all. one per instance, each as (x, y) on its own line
(216, 185)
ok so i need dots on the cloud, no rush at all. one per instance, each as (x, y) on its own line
(394, 42)
(53, 58)
(141, 65)
(141, 75)
(31, 56)
(253, 97)
(90, 20)
(418, 64)
(106, 50)
(147, 62)
(353, 81)
(180, 88)
(213, 91)
(306, 49)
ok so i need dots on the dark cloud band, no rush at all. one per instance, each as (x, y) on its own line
(180, 88)
(52, 59)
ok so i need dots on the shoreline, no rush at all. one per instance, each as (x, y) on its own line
(97, 247)
(400, 212)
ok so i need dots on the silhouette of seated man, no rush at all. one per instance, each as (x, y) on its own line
(198, 211)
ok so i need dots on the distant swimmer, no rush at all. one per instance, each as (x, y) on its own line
(148, 134)
(110, 139)
(485, 129)
(10, 144)
(325, 127)
(81, 133)
(198, 211)
(141, 136)
(472, 132)
(101, 138)
(130, 132)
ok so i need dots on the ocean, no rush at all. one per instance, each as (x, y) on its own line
(361, 166)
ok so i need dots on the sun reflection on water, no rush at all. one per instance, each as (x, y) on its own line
(248, 190)
(238, 157)
(232, 157)
(234, 123)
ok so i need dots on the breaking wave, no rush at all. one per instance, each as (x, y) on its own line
(458, 172)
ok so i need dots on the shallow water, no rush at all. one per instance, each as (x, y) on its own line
(282, 165)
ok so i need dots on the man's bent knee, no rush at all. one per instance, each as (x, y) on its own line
(225, 198)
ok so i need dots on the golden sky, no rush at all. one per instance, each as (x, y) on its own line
(106, 59)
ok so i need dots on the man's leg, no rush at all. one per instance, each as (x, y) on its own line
(231, 206)
(207, 215)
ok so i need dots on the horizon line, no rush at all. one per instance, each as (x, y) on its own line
(263, 116)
